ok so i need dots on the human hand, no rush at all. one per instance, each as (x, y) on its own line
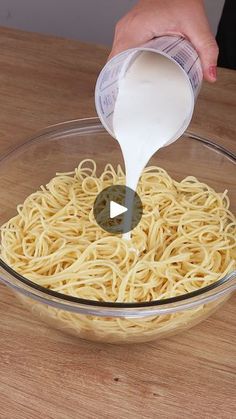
(152, 18)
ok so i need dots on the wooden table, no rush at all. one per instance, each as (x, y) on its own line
(45, 374)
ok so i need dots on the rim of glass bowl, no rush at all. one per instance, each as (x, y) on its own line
(11, 278)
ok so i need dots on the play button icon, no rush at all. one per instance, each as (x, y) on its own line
(117, 209)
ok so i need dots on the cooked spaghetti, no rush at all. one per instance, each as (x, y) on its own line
(185, 240)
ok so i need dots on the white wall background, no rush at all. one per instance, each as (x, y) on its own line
(86, 20)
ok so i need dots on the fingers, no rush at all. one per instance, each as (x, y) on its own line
(130, 32)
(122, 43)
(200, 35)
(156, 18)
(208, 51)
(204, 43)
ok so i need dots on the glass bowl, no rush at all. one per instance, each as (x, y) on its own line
(60, 148)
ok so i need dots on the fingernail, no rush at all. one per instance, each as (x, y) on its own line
(212, 72)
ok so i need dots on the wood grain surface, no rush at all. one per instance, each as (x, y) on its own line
(45, 374)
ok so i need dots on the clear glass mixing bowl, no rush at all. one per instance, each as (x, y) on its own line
(60, 148)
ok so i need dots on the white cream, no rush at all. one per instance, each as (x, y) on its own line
(152, 105)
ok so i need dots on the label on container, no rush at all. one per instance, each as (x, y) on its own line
(177, 48)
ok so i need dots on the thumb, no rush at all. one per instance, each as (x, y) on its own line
(208, 51)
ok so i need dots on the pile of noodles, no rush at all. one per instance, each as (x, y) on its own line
(185, 240)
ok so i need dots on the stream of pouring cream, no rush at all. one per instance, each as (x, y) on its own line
(152, 104)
